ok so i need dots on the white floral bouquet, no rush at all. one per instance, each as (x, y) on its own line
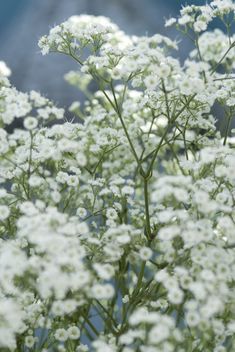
(117, 223)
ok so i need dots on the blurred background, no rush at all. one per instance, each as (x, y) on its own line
(23, 22)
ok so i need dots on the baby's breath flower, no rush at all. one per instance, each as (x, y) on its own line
(158, 334)
(102, 291)
(111, 214)
(29, 341)
(4, 69)
(117, 227)
(35, 181)
(170, 22)
(72, 180)
(192, 318)
(73, 333)
(30, 123)
(4, 212)
(61, 335)
(146, 253)
(125, 299)
(104, 271)
(81, 212)
(175, 295)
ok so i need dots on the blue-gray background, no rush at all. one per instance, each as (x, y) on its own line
(22, 22)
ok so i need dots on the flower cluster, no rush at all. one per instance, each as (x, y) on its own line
(117, 228)
(199, 17)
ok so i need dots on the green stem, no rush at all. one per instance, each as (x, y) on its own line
(223, 78)
(139, 281)
(116, 108)
(223, 57)
(110, 317)
(227, 128)
(200, 56)
(170, 124)
(93, 328)
(147, 216)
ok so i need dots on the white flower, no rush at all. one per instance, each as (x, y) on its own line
(81, 159)
(11, 316)
(105, 291)
(138, 316)
(111, 213)
(145, 253)
(82, 348)
(151, 81)
(72, 180)
(123, 239)
(192, 318)
(125, 299)
(4, 212)
(82, 228)
(4, 69)
(56, 196)
(72, 225)
(158, 334)
(104, 271)
(169, 232)
(200, 26)
(185, 19)
(73, 333)
(62, 177)
(161, 275)
(69, 306)
(127, 190)
(164, 70)
(35, 181)
(58, 308)
(61, 335)
(198, 289)
(170, 22)
(30, 123)
(175, 295)
(29, 341)
(212, 307)
(81, 212)
(231, 327)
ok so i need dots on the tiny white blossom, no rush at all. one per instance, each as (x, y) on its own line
(73, 333)
(4, 69)
(4, 212)
(30, 123)
(170, 22)
(145, 253)
(61, 335)
(29, 341)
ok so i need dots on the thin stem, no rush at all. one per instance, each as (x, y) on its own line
(227, 128)
(93, 328)
(140, 278)
(147, 216)
(116, 107)
(166, 100)
(158, 148)
(170, 124)
(229, 246)
(224, 78)
(102, 157)
(107, 312)
(200, 57)
(123, 125)
(223, 57)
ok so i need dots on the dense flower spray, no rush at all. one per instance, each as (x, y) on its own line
(118, 227)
